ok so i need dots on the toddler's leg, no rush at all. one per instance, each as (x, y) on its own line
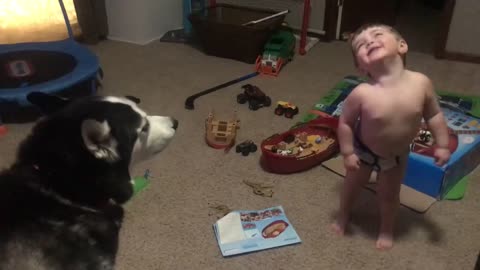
(354, 181)
(388, 192)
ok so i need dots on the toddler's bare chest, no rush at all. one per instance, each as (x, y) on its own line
(390, 108)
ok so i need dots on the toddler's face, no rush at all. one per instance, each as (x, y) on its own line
(376, 44)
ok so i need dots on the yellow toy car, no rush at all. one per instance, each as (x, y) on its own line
(286, 108)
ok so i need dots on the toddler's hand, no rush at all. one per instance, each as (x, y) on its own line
(352, 162)
(441, 155)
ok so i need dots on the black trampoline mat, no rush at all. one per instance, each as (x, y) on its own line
(26, 68)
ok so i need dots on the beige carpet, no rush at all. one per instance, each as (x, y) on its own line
(169, 225)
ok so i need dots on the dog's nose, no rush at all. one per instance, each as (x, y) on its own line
(175, 123)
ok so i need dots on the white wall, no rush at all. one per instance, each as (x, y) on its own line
(464, 33)
(142, 21)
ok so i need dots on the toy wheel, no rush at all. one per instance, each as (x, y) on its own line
(245, 152)
(279, 110)
(238, 149)
(245, 86)
(253, 105)
(241, 98)
(289, 113)
(267, 102)
(253, 148)
(289, 138)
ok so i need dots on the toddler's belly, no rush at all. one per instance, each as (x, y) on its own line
(389, 141)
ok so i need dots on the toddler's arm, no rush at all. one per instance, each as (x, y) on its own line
(350, 113)
(436, 123)
(434, 117)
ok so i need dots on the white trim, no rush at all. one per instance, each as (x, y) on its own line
(339, 21)
(316, 31)
(141, 43)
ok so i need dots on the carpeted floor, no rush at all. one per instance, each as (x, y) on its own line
(169, 225)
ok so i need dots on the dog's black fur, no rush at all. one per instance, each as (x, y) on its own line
(56, 200)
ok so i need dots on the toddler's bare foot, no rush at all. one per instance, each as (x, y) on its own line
(384, 242)
(340, 224)
(337, 229)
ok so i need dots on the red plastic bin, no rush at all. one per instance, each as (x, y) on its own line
(277, 163)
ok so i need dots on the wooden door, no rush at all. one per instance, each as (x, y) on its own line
(354, 13)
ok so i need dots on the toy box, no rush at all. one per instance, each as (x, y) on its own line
(422, 174)
(222, 32)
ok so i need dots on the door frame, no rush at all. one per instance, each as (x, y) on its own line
(331, 24)
(331, 19)
(441, 48)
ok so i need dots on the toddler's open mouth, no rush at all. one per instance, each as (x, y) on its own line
(371, 50)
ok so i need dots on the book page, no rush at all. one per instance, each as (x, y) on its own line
(230, 228)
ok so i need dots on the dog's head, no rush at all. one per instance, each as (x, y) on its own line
(83, 149)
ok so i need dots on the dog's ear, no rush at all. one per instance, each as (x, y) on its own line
(134, 99)
(99, 140)
(47, 103)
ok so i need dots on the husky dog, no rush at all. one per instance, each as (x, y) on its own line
(60, 201)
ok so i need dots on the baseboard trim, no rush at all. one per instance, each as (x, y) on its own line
(141, 43)
(464, 57)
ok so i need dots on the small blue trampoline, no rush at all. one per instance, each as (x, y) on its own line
(65, 68)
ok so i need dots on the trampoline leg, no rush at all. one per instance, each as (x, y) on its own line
(94, 86)
(98, 80)
(3, 128)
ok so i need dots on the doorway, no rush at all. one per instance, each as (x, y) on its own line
(419, 21)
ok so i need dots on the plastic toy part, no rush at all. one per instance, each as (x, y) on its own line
(141, 182)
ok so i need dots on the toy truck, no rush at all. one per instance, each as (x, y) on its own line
(256, 98)
(278, 51)
(286, 108)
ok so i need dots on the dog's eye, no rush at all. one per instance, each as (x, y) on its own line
(146, 127)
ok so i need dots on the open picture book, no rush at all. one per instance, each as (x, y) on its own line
(247, 231)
